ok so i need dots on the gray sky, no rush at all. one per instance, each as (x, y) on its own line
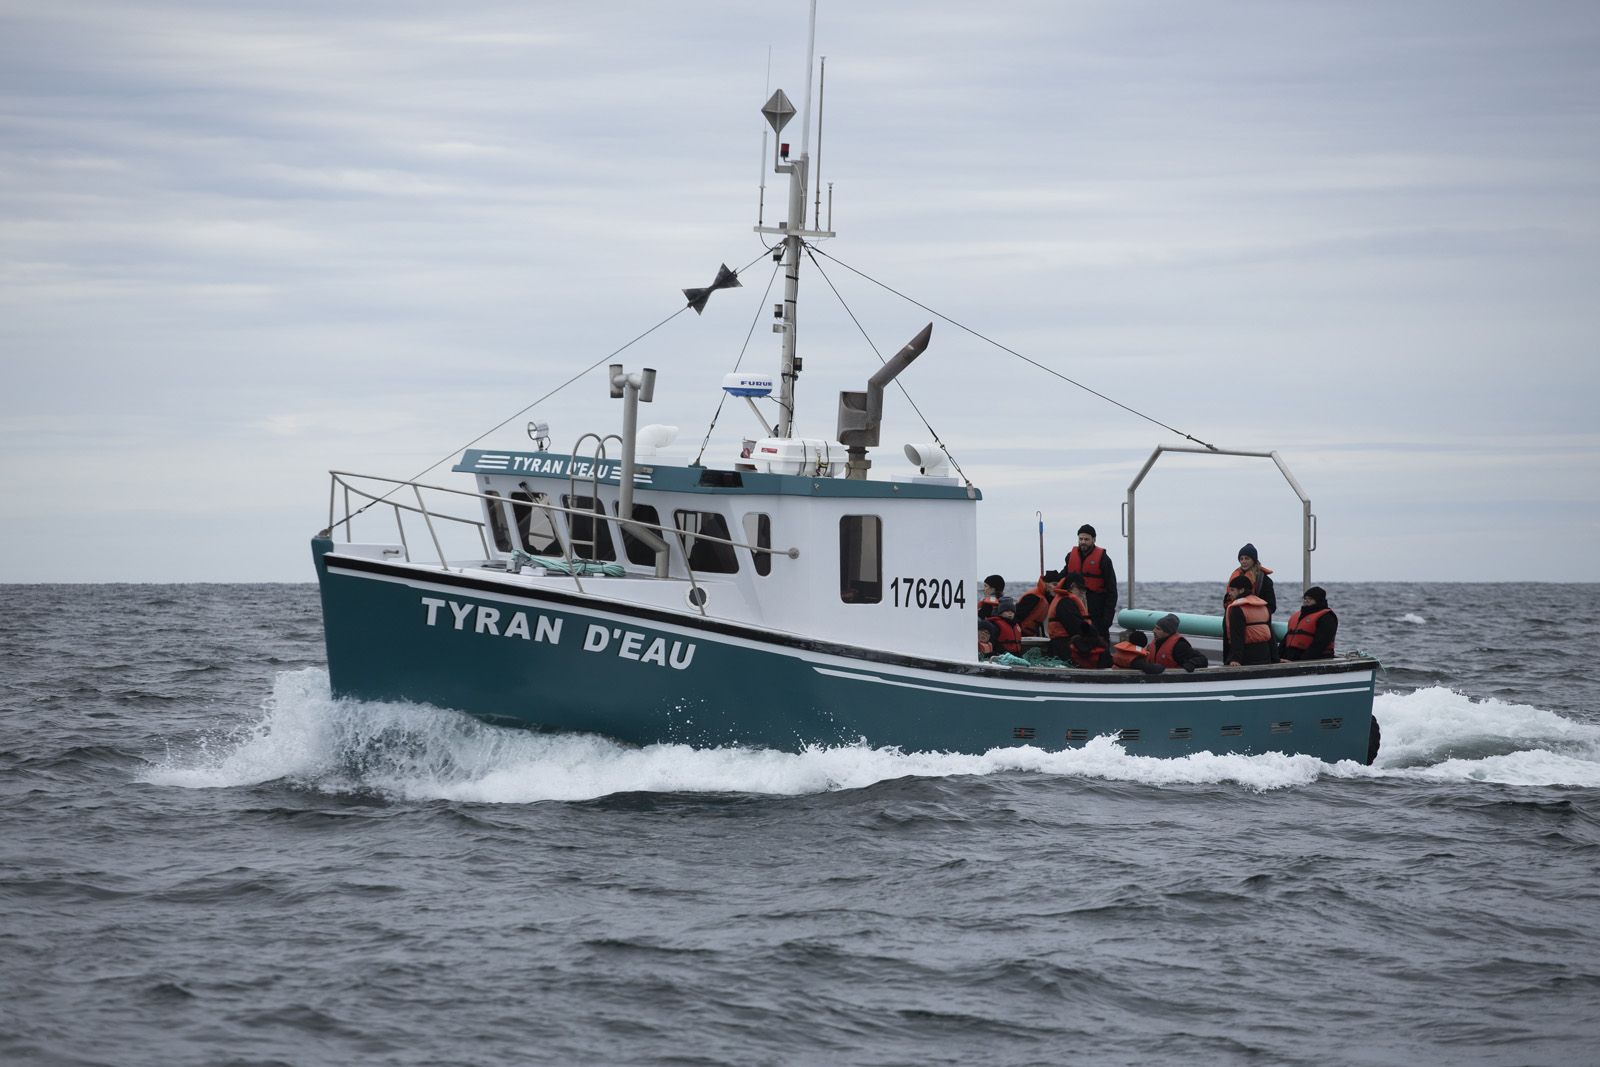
(243, 244)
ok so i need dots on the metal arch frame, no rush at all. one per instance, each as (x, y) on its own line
(1308, 520)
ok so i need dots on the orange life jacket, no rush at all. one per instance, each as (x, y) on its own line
(1303, 630)
(1063, 599)
(1255, 583)
(1126, 654)
(1089, 661)
(990, 602)
(1257, 622)
(1161, 651)
(1093, 579)
(1007, 637)
(1030, 622)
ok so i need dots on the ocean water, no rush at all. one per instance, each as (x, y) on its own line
(207, 860)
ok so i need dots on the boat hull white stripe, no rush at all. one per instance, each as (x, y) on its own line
(1100, 696)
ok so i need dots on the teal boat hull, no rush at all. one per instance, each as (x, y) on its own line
(527, 655)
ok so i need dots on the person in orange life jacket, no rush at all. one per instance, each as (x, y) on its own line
(1312, 629)
(1002, 627)
(1131, 653)
(1033, 607)
(1170, 649)
(994, 587)
(985, 640)
(1071, 629)
(1247, 627)
(1260, 583)
(1099, 578)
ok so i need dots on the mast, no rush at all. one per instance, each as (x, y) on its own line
(779, 111)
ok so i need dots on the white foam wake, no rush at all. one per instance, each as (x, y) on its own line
(420, 753)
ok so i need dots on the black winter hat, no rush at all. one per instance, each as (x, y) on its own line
(1073, 579)
(1086, 528)
(1006, 604)
(995, 582)
(1242, 582)
(1250, 550)
(1168, 623)
(1317, 593)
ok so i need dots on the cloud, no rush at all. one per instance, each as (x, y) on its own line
(246, 243)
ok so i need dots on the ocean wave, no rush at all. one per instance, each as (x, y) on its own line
(415, 752)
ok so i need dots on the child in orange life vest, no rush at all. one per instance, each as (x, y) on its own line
(1131, 654)
(1247, 627)
(994, 587)
(1007, 636)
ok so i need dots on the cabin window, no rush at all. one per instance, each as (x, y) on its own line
(758, 532)
(632, 544)
(713, 557)
(534, 526)
(590, 533)
(861, 559)
(497, 521)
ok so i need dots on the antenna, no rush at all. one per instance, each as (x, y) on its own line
(761, 202)
(816, 173)
(811, 51)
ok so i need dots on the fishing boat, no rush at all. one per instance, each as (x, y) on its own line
(785, 597)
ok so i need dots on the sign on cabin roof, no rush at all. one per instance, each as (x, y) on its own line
(553, 465)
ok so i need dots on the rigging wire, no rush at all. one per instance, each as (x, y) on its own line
(766, 252)
(1012, 351)
(926, 425)
(760, 308)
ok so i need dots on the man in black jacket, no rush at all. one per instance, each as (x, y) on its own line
(1174, 653)
(1100, 578)
(1312, 629)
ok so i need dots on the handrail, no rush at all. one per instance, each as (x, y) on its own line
(338, 479)
(1308, 521)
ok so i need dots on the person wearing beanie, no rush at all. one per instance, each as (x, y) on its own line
(1247, 627)
(1072, 631)
(1003, 623)
(1312, 629)
(1260, 583)
(1099, 579)
(1169, 648)
(994, 587)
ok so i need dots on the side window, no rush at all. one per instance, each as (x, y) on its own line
(712, 557)
(637, 550)
(497, 521)
(534, 527)
(591, 533)
(758, 532)
(861, 559)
